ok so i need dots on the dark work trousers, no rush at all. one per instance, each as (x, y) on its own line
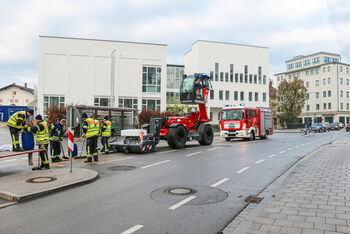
(14, 137)
(43, 154)
(55, 149)
(105, 146)
(91, 145)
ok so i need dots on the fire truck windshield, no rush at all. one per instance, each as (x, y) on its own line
(232, 114)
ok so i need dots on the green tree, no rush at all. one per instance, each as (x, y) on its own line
(291, 98)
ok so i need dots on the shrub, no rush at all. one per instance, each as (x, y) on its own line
(55, 114)
(145, 115)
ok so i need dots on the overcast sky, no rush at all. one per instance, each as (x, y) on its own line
(287, 27)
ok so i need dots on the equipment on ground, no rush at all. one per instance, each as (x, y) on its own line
(245, 122)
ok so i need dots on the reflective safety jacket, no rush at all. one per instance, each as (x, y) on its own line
(106, 128)
(97, 127)
(56, 132)
(89, 127)
(42, 132)
(17, 120)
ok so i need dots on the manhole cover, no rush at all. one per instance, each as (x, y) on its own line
(122, 168)
(253, 199)
(41, 179)
(180, 191)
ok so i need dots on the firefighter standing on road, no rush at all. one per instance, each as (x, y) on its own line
(89, 130)
(15, 123)
(57, 131)
(97, 131)
(105, 133)
(41, 129)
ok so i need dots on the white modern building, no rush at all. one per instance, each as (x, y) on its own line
(16, 95)
(327, 80)
(239, 73)
(101, 73)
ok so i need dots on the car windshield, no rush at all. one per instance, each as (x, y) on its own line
(233, 114)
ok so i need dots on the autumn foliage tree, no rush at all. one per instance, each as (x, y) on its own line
(145, 115)
(55, 114)
(291, 98)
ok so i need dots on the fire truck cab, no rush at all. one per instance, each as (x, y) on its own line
(245, 122)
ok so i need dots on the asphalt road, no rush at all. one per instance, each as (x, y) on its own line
(221, 176)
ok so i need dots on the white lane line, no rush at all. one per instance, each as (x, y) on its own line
(242, 170)
(165, 152)
(194, 153)
(7, 165)
(10, 160)
(183, 202)
(214, 148)
(116, 160)
(260, 161)
(302, 144)
(296, 147)
(290, 148)
(272, 155)
(219, 182)
(155, 164)
(281, 152)
(133, 229)
(24, 158)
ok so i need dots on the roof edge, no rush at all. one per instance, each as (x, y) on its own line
(229, 43)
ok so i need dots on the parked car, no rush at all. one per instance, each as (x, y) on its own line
(318, 127)
(326, 125)
(341, 125)
(347, 127)
(335, 126)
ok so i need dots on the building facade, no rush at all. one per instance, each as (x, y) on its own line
(239, 73)
(173, 82)
(101, 73)
(16, 95)
(328, 89)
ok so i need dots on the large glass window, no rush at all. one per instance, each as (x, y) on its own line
(221, 76)
(151, 104)
(151, 79)
(264, 97)
(226, 76)
(52, 101)
(102, 101)
(250, 96)
(236, 77)
(231, 72)
(235, 96)
(256, 96)
(242, 96)
(172, 97)
(241, 78)
(255, 79)
(227, 95)
(128, 103)
(216, 71)
(264, 79)
(221, 94)
(212, 94)
(174, 77)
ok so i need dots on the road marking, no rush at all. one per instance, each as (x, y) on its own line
(165, 152)
(296, 146)
(214, 148)
(116, 160)
(272, 155)
(219, 182)
(177, 205)
(133, 229)
(194, 153)
(10, 160)
(260, 161)
(242, 170)
(302, 144)
(155, 164)
(24, 158)
(282, 152)
(290, 148)
(7, 165)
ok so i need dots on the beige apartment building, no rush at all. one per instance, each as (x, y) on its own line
(327, 81)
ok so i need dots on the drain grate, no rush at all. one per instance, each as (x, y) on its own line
(122, 168)
(180, 191)
(41, 180)
(253, 199)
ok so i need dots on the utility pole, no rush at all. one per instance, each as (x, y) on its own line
(112, 98)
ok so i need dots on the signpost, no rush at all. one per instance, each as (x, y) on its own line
(73, 120)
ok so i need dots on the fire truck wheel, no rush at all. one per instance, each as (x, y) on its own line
(177, 137)
(208, 136)
(227, 139)
(252, 136)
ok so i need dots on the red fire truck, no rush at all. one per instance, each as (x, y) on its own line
(245, 122)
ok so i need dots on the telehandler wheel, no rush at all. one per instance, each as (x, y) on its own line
(227, 138)
(208, 136)
(177, 137)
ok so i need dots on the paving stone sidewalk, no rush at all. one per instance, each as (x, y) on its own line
(314, 198)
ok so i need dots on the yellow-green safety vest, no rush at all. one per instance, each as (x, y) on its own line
(107, 130)
(42, 137)
(90, 132)
(12, 122)
(97, 127)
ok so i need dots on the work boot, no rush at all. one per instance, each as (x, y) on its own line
(54, 160)
(88, 160)
(59, 159)
(46, 166)
(107, 152)
(38, 168)
(18, 150)
(65, 157)
(96, 158)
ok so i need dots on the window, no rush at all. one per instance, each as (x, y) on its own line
(317, 71)
(324, 69)
(329, 68)
(236, 77)
(307, 107)
(251, 78)
(317, 106)
(329, 93)
(317, 82)
(347, 70)
(151, 79)
(341, 68)
(16, 100)
(151, 104)
(329, 80)
(341, 105)
(324, 106)
(264, 97)
(256, 96)
(236, 96)
(226, 76)
(347, 107)
(221, 76)
(245, 78)
(347, 94)
(211, 94)
(341, 80)
(311, 72)
(227, 95)
(324, 94)
(329, 105)
(250, 96)
(175, 76)
(221, 94)
(52, 101)
(347, 81)
(241, 78)
(1, 100)
(245, 69)
(216, 72)
(307, 95)
(255, 79)
(12, 100)
(231, 72)
(327, 59)
(264, 79)
(307, 62)
(132, 102)
(171, 98)
(27, 100)
(307, 73)
(341, 93)
(14, 93)
(307, 84)
(211, 75)
(315, 60)
(324, 81)
(102, 101)
(242, 96)
(290, 66)
(317, 95)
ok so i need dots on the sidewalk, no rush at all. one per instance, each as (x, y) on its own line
(313, 197)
